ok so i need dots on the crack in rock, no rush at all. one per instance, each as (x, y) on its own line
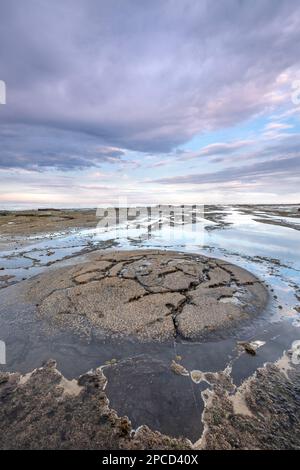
(152, 295)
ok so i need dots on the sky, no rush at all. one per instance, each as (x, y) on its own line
(148, 102)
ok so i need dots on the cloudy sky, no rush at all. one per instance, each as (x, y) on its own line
(161, 101)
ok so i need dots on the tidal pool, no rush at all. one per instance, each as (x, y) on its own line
(141, 383)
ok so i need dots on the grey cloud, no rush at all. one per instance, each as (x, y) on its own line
(139, 75)
(219, 148)
(110, 152)
(256, 172)
(243, 150)
(38, 148)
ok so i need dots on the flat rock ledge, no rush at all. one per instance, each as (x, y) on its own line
(44, 410)
(149, 295)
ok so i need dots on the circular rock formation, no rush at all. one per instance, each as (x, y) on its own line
(150, 295)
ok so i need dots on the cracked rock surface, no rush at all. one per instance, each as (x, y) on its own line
(150, 295)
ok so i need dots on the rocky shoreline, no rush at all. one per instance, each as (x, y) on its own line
(44, 410)
(169, 327)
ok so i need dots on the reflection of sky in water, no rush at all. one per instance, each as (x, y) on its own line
(257, 239)
(250, 244)
(243, 243)
(245, 236)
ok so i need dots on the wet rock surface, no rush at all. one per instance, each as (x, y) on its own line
(157, 383)
(14, 223)
(43, 410)
(151, 295)
(263, 413)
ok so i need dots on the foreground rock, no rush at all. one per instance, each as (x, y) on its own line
(263, 413)
(43, 410)
(151, 295)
